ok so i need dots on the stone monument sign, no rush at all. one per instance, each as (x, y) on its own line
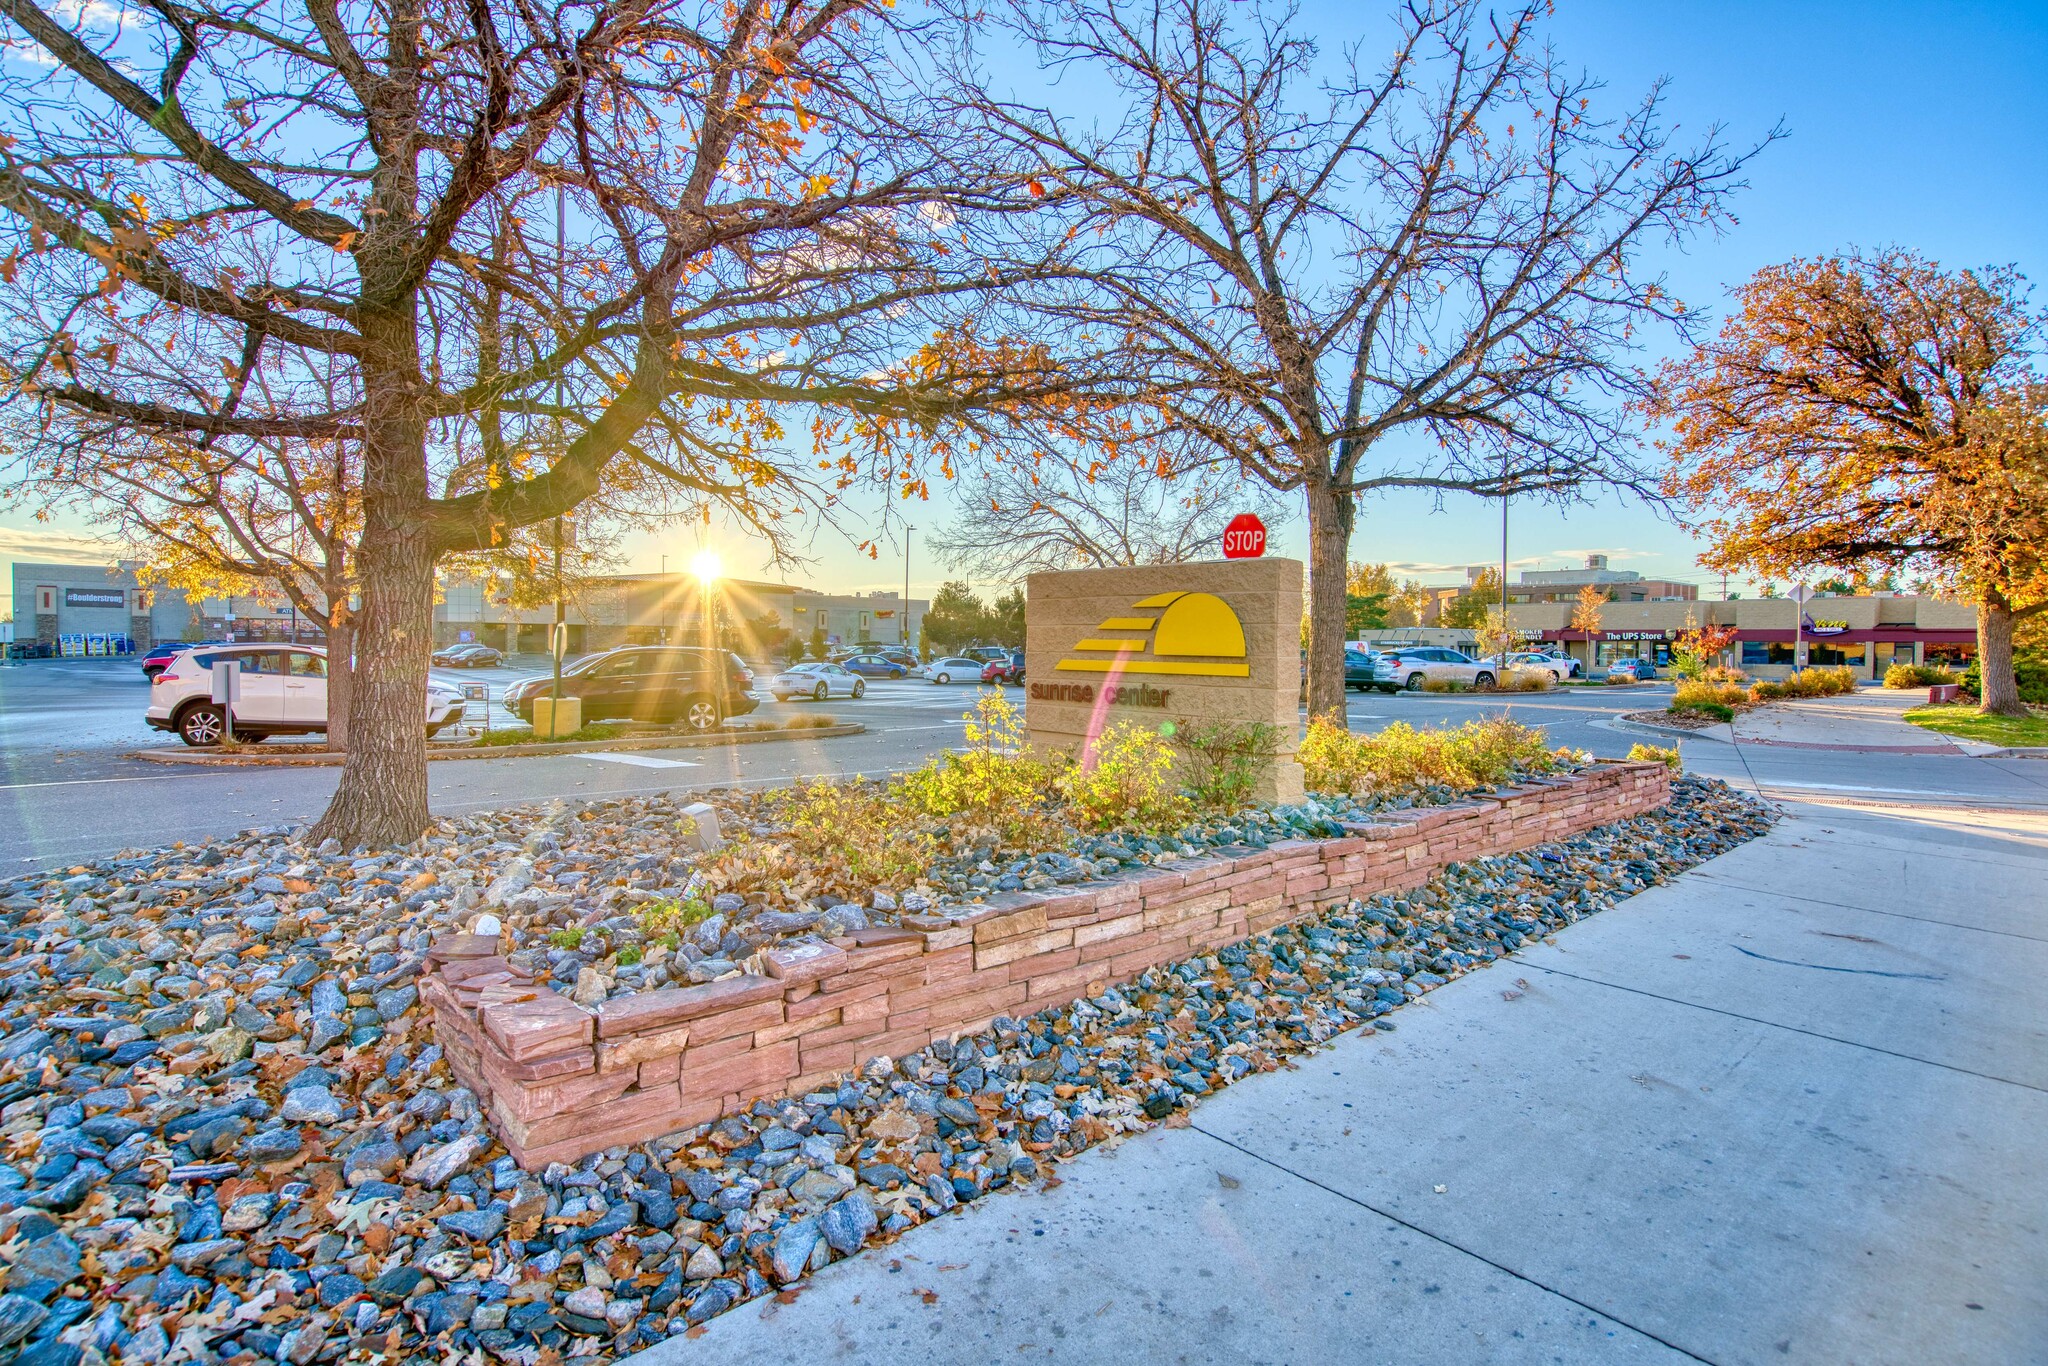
(1218, 640)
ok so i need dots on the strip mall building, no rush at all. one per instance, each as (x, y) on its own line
(1867, 634)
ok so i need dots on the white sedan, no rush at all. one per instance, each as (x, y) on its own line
(1560, 667)
(818, 681)
(283, 692)
(954, 669)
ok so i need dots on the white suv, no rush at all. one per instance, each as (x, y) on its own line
(1411, 666)
(283, 692)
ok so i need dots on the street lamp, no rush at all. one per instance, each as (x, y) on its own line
(706, 567)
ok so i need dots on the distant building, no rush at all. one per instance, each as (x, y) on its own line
(53, 601)
(1564, 585)
(652, 609)
(1864, 633)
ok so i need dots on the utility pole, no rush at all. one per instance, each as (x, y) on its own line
(903, 626)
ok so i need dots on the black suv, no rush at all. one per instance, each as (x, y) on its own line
(686, 683)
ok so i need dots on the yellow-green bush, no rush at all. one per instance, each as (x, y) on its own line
(1656, 754)
(1825, 681)
(995, 780)
(1713, 698)
(1723, 673)
(1476, 754)
(1520, 679)
(1126, 779)
(1919, 676)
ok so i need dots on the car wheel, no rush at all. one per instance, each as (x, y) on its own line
(1387, 688)
(1415, 681)
(896, 673)
(820, 693)
(700, 712)
(1483, 682)
(860, 689)
(202, 725)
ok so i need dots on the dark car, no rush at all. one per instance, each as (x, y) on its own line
(696, 686)
(1358, 669)
(160, 656)
(873, 666)
(468, 656)
(986, 653)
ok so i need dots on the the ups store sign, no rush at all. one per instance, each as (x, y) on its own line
(1218, 640)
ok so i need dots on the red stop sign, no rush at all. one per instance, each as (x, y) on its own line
(1244, 538)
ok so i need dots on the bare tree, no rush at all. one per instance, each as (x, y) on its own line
(209, 211)
(1425, 275)
(1051, 511)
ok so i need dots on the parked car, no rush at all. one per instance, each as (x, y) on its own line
(468, 656)
(1559, 667)
(817, 681)
(689, 683)
(1412, 666)
(1641, 670)
(906, 657)
(985, 653)
(1008, 669)
(1359, 668)
(875, 666)
(954, 669)
(160, 655)
(283, 692)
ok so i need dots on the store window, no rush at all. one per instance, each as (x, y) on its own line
(1766, 652)
(1831, 652)
(1956, 655)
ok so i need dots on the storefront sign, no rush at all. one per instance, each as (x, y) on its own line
(95, 597)
(1825, 627)
(1208, 643)
(1638, 635)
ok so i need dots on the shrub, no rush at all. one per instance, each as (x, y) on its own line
(1476, 754)
(1919, 675)
(1657, 754)
(808, 720)
(630, 955)
(2030, 667)
(1124, 779)
(1222, 762)
(1522, 679)
(1718, 700)
(1827, 681)
(1619, 680)
(994, 781)
(566, 939)
(1723, 673)
(1443, 685)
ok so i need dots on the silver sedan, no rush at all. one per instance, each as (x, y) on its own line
(816, 681)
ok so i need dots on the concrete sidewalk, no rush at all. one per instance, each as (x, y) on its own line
(1789, 1108)
(1868, 719)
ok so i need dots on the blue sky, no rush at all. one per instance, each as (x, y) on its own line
(1920, 125)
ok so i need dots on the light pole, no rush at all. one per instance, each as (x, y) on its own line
(706, 567)
(903, 622)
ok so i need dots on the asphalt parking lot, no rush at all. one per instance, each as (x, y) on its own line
(69, 788)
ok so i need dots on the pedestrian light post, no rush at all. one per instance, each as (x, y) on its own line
(1799, 596)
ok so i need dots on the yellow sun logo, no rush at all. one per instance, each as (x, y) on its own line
(1193, 634)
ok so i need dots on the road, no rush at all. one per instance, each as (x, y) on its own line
(70, 790)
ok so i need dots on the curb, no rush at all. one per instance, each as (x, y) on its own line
(203, 759)
(1670, 732)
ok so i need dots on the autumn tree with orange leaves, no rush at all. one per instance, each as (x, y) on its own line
(279, 221)
(1872, 411)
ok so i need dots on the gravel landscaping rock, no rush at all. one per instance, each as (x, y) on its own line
(327, 1192)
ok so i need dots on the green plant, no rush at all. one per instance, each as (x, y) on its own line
(671, 916)
(1124, 779)
(1477, 754)
(1223, 762)
(995, 780)
(567, 939)
(1656, 754)
(1825, 681)
(629, 955)
(1919, 676)
(1719, 700)
(2030, 669)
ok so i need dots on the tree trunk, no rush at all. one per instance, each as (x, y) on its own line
(382, 797)
(341, 674)
(1330, 517)
(1998, 687)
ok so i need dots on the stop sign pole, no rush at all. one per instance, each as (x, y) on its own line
(1244, 538)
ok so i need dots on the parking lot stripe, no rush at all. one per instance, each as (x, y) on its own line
(639, 760)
